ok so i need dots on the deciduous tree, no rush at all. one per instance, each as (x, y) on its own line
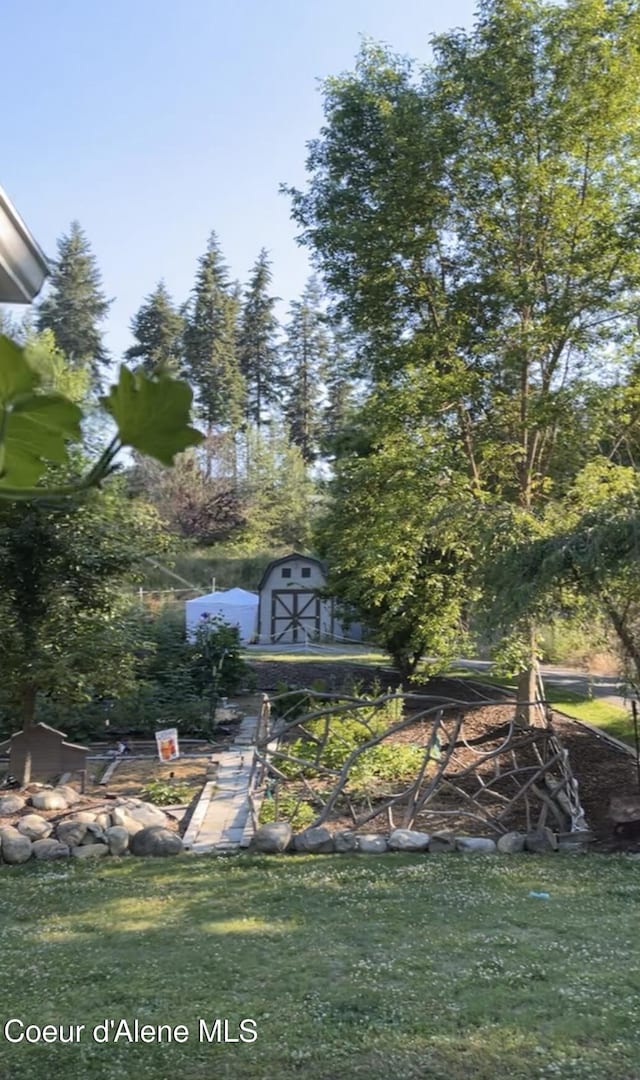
(477, 222)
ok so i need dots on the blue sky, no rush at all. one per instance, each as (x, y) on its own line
(154, 121)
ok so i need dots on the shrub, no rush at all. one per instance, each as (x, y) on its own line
(175, 683)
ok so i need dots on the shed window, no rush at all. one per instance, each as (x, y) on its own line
(306, 571)
(286, 571)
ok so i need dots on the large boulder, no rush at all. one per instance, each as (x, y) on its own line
(345, 841)
(117, 839)
(71, 832)
(576, 843)
(90, 851)
(94, 834)
(35, 827)
(318, 841)
(540, 841)
(15, 847)
(511, 843)
(408, 840)
(71, 795)
(88, 816)
(441, 842)
(11, 804)
(273, 838)
(49, 800)
(479, 845)
(103, 819)
(50, 849)
(372, 844)
(120, 817)
(155, 840)
(146, 814)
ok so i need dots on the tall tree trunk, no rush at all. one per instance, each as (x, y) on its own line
(527, 712)
(28, 716)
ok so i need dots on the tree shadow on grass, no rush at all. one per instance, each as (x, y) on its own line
(351, 966)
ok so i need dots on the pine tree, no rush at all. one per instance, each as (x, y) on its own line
(339, 390)
(210, 344)
(257, 349)
(279, 497)
(76, 305)
(157, 328)
(307, 349)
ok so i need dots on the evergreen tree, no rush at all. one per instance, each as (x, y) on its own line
(307, 347)
(210, 344)
(339, 389)
(75, 304)
(279, 498)
(258, 351)
(157, 328)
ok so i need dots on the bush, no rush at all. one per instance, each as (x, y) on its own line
(175, 683)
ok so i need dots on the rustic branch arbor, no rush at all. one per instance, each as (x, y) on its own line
(508, 776)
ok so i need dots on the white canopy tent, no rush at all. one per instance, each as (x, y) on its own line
(236, 606)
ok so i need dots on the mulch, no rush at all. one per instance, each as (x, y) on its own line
(602, 770)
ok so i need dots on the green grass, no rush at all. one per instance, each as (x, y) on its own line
(433, 966)
(354, 654)
(601, 714)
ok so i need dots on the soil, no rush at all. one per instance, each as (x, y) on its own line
(131, 775)
(602, 770)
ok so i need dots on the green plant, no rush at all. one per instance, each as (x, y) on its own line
(287, 807)
(151, 415)
(166, 793)
(340, 734)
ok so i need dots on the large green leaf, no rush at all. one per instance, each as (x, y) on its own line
(34, 428)
(152, 414)
(37, 429)
(16, 374)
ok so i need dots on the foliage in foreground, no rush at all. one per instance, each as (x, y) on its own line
(351, 966)
(38, 428)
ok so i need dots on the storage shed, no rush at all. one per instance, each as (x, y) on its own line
(238, 607)
(42, 753)
(290, 609)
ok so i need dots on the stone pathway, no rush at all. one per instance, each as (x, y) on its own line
(221, 821)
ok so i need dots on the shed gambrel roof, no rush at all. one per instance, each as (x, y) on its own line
(289, 558)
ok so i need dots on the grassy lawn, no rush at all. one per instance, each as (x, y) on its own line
(602, 714)
(332, 654)
(434, 966)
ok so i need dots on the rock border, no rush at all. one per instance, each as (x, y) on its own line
(124, 826)
(276, 838)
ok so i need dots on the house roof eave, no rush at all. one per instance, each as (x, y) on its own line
(23, 265)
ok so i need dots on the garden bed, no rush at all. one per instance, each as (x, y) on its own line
(602, 770)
